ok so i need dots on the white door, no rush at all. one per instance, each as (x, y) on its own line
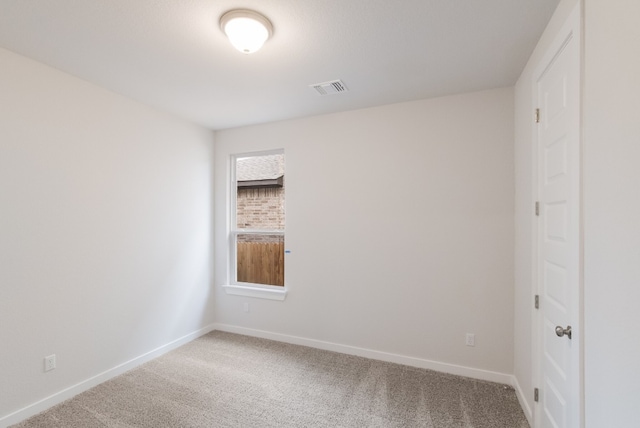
(557, 90)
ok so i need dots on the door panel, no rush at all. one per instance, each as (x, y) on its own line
(558, 147)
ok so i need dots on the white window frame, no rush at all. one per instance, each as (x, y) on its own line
(234, 287)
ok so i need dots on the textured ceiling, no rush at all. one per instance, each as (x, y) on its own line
(172, 55)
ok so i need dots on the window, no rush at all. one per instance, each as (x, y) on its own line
(257, 214)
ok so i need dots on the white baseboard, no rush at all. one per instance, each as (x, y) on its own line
(65, 394)
(374, 355)
(523, 402)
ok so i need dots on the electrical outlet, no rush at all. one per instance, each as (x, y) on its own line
(246, 307)
(49, 363)
(470, 339)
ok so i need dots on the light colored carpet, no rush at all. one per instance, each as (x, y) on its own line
(229, 380)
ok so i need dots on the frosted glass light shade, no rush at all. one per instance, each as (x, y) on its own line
(247, 30)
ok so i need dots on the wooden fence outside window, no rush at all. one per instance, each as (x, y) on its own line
(261, 262)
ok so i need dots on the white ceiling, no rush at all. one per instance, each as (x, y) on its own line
(172, 55)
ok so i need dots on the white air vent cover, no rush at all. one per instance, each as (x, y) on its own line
(327, 88)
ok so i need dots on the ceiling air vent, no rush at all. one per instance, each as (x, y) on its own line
(328, 88)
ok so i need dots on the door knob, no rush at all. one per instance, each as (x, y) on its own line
(563, 331)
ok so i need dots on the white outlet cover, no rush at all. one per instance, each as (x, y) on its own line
(470, 339)
(49, 363)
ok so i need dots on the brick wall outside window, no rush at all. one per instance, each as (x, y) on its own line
(260, 209)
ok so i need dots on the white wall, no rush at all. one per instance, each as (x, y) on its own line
(524, 214)
(104, 230)
(612, 213)
(400, 226)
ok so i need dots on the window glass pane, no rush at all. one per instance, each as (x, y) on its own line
(260, 259)
(260, 192)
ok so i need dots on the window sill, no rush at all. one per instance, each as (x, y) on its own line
(259, 292)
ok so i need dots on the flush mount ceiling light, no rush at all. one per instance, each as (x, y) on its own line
(247, 30)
